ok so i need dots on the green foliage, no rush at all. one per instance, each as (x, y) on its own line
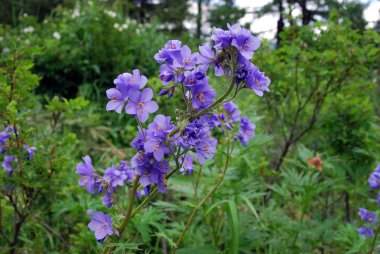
(323, 104)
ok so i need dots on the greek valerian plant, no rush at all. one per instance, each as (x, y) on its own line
(167, 144)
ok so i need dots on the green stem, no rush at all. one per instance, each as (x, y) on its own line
(195, 210)
(129, 211)
(211, 107)
(374, 241)
(216, 103)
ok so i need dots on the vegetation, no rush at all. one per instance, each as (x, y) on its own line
(295, 188)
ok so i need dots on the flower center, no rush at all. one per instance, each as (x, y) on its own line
(140, 105)
(85, 179)
(201, 95)
(186, 60)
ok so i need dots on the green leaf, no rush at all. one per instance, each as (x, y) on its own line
(234, 224)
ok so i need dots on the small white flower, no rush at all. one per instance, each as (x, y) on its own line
(110, 13)
(25, 14)
(5, 50)
(28, 29)
(116, 26)
(57, 35)
(76, 13)
(27, 41)
(1, 39)
(124, 26)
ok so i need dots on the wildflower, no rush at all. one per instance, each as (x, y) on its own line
(7, 163)
(117, 100)
(367, 216)
(101, 224)
(221, 38)
(148, 174)
(4, 136)
(30, 150)
(366, 232)
(374, 180)
(205, 148)
(112, 14)
(207, 56)
(141, 104)
(243, 40)
(233, 114)
(257, 81)
(246, 131)
(87, 171)
(202, 96)
(377, 169)
(183, 58)
(107, 198)
(315, 162)
(164, 54)
(57, 35)
(28, 29)
(114, 176)
(187, 163)
(167, 74)
(127, 82)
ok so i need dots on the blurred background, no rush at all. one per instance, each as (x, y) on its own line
(295, 188)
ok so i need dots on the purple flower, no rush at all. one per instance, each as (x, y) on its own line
(7, 163)
(163, 167)
(141, 104)
(202, 96)
(117, 100)
(30, 150)
(167, 91)
(148, 174)
(233, 114)
(187, 163)
(377, 169)
(156, 137)
(367, 216)
(207, 56)
(374, 180)
(138, 142)
(257, 81)
(127, 82)
(243, 40)
(101, 224)
(158, 147)
(153, 173)
(88, 179)
(198, 129)
(4, 136)
(164, 54)
(196, 78)
(205, 148)
(107, 198)
(221, 38)
(246, 131)
(183, 58)
(114, 176)
(127, 170)
(141, 193)
(140, 159)
(168, 73)
(161, 126)
(366, 232)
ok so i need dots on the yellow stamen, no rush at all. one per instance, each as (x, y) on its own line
(201, 95)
